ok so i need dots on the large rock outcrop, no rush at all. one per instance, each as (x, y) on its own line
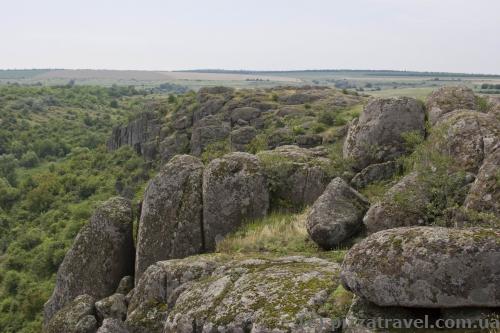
(171, 216)
(140, 133)
(426, 267)
(234, 191)
(217, 293)
(377, 136)
(296, 176)
(207, 131)
(467, 137)
(102, 253)
(484, 195)
(447, 99)
(336, 215)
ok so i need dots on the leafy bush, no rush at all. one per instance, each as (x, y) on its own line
(29, 159)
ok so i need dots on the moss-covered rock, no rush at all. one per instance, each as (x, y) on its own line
(447, 99)
(296, 176)
(336, 215)
(102, 253)
(377, 136)
(402, 206)
(237, 293)
(170, 224)
(234, 191)
(76, 316)
(484, 195)
(427, 267)
(467, 137)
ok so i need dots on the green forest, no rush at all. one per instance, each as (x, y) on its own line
(54, 169)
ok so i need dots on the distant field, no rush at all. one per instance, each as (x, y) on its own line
(377, 83)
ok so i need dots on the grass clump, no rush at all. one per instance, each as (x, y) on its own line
(279, 232)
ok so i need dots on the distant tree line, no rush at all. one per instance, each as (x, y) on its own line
(490, 86)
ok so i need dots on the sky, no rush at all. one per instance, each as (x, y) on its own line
(424, 35)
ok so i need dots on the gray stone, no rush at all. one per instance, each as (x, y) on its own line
(376, 136)
(126, 285)
(112, 325)
(113, 306)
(484, 195)
(337, 215)
(374, 173)
(257, 295)
(170, 224)
(402, 205)
(87, 324)
(296, 176)
(145, 128)
(209, 106)
(207, 131)
(245, 113)
(157, 290)
(448, 99)
(241, 137)
(102, 253)
(467, 137)
(426, 267)
(74, 317)
(234, 191)
(309, 140)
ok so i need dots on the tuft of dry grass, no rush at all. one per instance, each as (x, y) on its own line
(281, 232)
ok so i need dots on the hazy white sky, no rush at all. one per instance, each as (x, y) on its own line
(431, 35)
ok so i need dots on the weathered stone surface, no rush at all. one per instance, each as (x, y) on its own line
(231, 294)
(102, 253)
(177, 143)
(209, 106)
(374, 173)
(207, 131)
(113, 306)
(448, 99)
(484, 195)
(296, 176)
(159, 287)
(308, 140)
(170, 224)
(468, 137)
(290, 111)
(336, 215)
(376, 136)
(402, 205)
(73, 317)
(247, 114)
(426, 267)
(234, 190)
(112, 325)
(241, 137)
(136, 133)
(87, 324)
(126, 285)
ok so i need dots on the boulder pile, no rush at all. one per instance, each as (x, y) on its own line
(416, 249)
